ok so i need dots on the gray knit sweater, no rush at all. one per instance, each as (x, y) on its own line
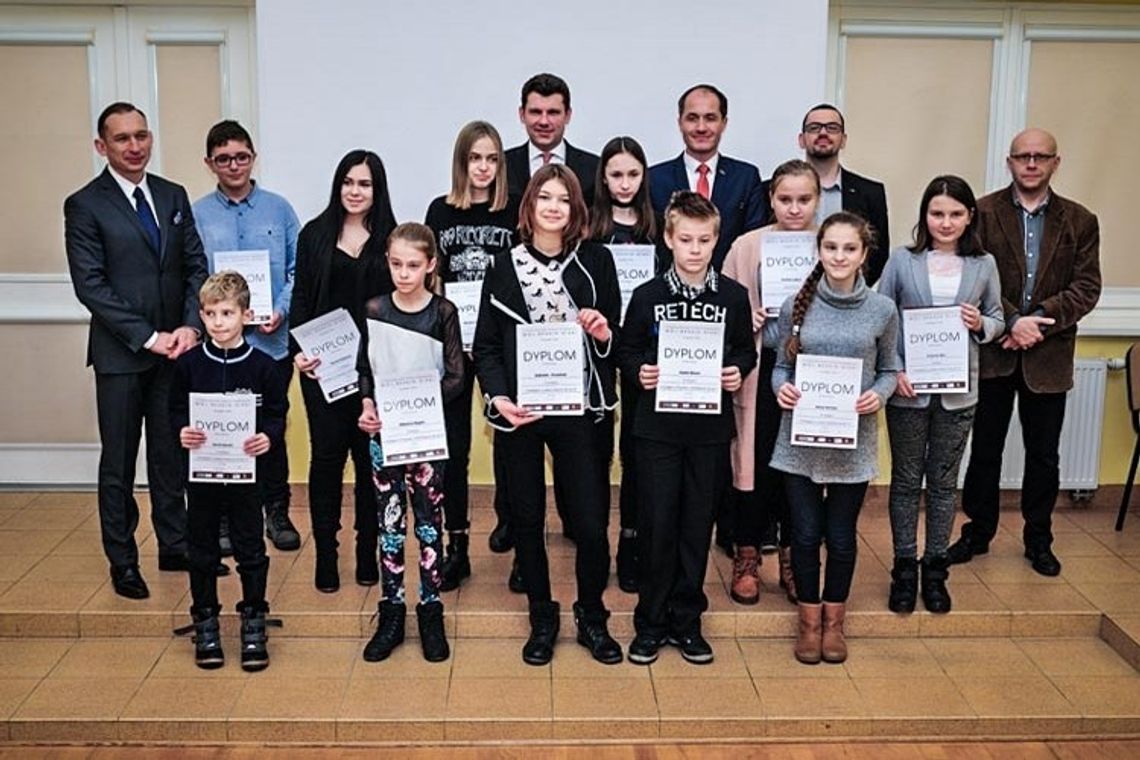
(861, 325)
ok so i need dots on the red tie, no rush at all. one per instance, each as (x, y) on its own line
(545, 159)
(703, 181)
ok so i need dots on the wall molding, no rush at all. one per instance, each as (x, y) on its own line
(58, 465)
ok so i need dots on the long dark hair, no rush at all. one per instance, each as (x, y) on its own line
(970, 244)
(380, 221)
(601, 215)
(806, 293)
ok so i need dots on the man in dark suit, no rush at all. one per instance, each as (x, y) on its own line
(1048, 255)
(136, 263)
(733, 186)
(545, 112)
(823, 134)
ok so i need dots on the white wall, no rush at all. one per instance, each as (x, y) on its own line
(401, 78)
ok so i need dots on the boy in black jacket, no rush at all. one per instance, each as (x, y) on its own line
(682, 458)
(226, 364)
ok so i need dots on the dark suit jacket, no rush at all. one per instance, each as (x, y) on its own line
(1067, 284)
(131, 289)
(867, 198)
(583, 163)
(736, 194)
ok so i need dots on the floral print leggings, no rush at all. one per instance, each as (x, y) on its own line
(392, 483)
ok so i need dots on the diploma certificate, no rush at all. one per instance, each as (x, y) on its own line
(227, 419)
(550, 368)
(690, 356)
(334, 339)
(937, 350)
(786, 259)
(254, 267)
(465, 296)
(635, 265)
(825, 415)
(411, 417)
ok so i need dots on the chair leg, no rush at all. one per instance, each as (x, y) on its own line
(1128, 485)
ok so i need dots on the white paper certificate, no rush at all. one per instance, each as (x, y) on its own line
(254, 267)
(334, 339)
(227, 419)
(550, 368)
(825, 415)
(786, 259)
(689, 356)
(411, 417)
(465, 296)
(937, 350)
(635, 265)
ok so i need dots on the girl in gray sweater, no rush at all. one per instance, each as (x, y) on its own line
(833, 314)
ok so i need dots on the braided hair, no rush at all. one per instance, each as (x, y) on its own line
(806, 293)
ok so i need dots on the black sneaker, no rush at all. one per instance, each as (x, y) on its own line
(501, 541)
(207, 637)
(965, 549)
(627, 564)
(644, 647)
(280, 529)
(693, 648)
(254, 652)
(595, 636)
(544, 622)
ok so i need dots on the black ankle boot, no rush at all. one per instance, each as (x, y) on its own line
(254, 652)
(367, 567)
(433, 639)
(456, 565)
(207, 637)
(935, 596)
(326, 576)
(627, 563)
(593, 634)
(544, 622)
(389, 631)
(904, 585)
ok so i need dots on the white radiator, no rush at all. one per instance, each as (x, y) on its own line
(1080, 435)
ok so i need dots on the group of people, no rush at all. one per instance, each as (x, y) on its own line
(537, 225)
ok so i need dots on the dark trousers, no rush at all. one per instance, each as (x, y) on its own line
(818, 513)
(273, 465)
(333, 435)
(575, 449)
(240, 504)
(501, 472)
(679, 484)
(124, 402)
(765, 507)
(627, 503)
(455, 476)
(1041, 415)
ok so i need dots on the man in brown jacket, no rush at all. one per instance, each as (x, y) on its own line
(1047, 250)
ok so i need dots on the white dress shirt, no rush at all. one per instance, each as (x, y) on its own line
(557, 155)
(691, 165)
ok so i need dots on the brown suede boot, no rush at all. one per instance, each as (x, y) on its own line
(808, 643)
(787, 579)
(746, 575)
(834, 647)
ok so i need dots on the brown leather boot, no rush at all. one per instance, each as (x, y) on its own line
(834, 647)
(746, 575)
(808, 643)
(787, 579)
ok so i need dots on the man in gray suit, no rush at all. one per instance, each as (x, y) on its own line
(136, 263)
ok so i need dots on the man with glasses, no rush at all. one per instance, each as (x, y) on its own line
(1048, 255)
(241, 216)
(823, 134)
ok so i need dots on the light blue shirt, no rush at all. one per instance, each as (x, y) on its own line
(260, 221)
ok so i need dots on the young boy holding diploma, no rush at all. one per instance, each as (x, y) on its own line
(226, 364)
(682, 457)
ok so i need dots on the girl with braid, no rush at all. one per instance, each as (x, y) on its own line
(833, 314)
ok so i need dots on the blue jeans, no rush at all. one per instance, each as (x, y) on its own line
(817, 513)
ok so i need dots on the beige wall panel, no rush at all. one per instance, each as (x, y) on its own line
(916, 108)
(45, 141)
(190, 102)
(49, 396)
(1088, 95)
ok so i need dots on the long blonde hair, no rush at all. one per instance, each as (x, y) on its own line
(460, 195)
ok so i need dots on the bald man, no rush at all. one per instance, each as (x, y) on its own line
(1048, 255)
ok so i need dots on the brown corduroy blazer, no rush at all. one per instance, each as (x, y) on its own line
(1067, 288)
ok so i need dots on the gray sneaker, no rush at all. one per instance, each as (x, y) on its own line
(279, 528)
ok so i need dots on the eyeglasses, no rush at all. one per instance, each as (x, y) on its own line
(1032, 158)
(223, 160)
(831, 128)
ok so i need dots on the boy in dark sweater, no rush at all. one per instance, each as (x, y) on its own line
(226, 364)
(682, 458)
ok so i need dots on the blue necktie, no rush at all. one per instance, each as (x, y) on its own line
(146, 216)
